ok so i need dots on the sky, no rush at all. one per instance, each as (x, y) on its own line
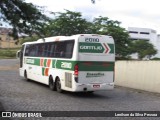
(131, 13)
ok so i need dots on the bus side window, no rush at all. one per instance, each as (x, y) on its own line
(62, 54)
(69, 49)
(47, 49)
(52, 50)
(27, 50)
(32, 51)
(57, 50)
(61, 49)
(43, 50)
(64, 49)
(40, 50)
(36, 49)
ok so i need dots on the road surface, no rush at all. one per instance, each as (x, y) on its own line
(16, 94)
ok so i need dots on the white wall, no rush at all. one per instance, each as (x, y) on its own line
(143, 75)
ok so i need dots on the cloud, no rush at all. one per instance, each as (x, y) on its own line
(129, 12)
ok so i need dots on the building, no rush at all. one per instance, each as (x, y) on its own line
(145, 34)
(5, 40)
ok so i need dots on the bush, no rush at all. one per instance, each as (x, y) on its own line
(156, 58)
(7, 53)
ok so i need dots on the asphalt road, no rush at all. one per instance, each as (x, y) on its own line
(16, 94)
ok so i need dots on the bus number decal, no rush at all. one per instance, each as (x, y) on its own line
(66, 65)
(91, 40)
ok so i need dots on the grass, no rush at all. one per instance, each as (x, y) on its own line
(6, 53)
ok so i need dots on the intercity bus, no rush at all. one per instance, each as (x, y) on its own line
(83, 62)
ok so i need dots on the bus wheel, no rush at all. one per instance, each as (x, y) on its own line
(51, 83)
(58, 86)
(25, 76)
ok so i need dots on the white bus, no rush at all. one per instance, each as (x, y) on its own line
(83, 62)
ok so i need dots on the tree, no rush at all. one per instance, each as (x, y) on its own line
(143, 48)
(105, 26)
(70, 23)
(23, 17)
(67, 23)
(29, 39)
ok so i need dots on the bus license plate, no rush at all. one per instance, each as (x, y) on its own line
(96, 86)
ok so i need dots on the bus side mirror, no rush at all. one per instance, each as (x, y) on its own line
(18, 54)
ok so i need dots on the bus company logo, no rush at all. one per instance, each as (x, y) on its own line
(94, 75)
(66, 65)
(94, 47)
(30, 61)
(91, 47)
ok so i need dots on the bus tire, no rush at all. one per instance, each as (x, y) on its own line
(25, 75)
(52, 84)
(58, 85)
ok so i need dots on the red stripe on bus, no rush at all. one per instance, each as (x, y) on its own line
(48, 62)
(41, 62)
(46, 71)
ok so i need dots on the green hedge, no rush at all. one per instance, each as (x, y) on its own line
(6, 53)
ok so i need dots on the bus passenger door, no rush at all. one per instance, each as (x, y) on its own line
(21, 56)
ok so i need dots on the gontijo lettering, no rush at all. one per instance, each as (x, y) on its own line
(92, 47)
(31, 61)
(87, 47)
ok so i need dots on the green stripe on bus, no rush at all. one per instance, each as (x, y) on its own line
(85, 65)
(69, 65)
(45, 61)
(53, 63)
(96, 66)
(43, 71)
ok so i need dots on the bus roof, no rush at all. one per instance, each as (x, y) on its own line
(59, 38)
